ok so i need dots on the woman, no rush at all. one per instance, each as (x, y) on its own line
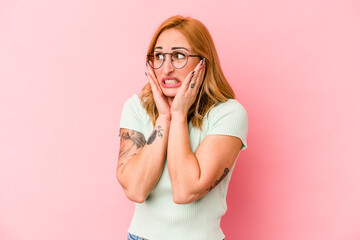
(194, 130)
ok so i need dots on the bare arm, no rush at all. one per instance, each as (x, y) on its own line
(194, 175)
(140, 163)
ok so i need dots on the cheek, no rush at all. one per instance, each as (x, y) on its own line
(187, 70)
(193, 64)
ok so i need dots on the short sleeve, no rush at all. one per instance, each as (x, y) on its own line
(131, 115)
(229, 118)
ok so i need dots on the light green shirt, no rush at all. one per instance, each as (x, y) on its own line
(159, 218)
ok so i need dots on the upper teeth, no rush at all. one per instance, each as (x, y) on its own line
(171, 81)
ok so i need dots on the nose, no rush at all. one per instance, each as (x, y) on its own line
(167, 65)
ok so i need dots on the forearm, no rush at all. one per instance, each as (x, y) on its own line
(184, 169)
(141, 172)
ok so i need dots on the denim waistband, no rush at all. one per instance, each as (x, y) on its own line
(134, 237)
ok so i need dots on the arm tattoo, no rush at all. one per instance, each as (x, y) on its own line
(136, 137)
(157, 132)
(226, 171)
(137, 140)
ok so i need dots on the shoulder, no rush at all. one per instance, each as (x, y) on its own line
(133, 114)
(134, 105)
(230, 107)
(134, 101)
(228, 118)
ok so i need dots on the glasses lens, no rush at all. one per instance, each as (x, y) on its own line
(179, 59)
(155, 60)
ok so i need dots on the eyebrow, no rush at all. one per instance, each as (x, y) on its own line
(173, 48)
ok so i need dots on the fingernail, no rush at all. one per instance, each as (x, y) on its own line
(193, 72)
(145, 74)
(202, 61)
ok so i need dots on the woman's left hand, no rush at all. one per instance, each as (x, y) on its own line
(188, 91)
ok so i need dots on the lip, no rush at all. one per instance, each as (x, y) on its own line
(170, 85)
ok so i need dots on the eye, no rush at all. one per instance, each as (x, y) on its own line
(159, 56)
(178, 56)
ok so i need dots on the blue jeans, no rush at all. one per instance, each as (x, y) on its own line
(133, 237)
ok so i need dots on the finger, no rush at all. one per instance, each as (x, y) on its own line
(191, 76)
(154, 88)
(198, 76)
(150, 71)
(189, 79)
(152, 78)
(195, 83)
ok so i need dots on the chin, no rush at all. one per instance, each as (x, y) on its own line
(170, 92)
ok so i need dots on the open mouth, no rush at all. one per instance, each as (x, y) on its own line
(169, 82)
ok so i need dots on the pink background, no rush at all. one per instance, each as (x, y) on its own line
(66, 68)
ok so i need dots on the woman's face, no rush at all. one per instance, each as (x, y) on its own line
(170, 78)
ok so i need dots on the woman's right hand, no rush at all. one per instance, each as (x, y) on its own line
(160, 99)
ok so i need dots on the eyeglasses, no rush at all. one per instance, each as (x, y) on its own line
(178, 59)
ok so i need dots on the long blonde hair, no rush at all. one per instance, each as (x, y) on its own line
(215, 88)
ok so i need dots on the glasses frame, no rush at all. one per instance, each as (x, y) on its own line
(187, 59)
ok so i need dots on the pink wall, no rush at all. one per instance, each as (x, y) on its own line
(66, 68)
